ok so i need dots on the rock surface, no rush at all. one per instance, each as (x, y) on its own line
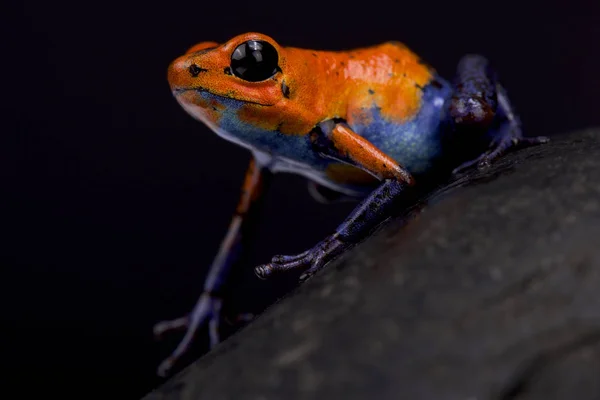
(491, 292)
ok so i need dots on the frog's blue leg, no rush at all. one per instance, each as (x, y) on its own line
(208, 306)
(337, 141)
(480, 105)
(371, 212)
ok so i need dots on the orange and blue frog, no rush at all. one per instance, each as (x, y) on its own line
(369, 124)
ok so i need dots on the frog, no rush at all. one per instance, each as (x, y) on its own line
(369, 124)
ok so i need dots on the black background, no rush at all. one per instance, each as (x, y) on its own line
(114, 200)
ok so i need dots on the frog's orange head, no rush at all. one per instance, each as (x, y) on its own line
(247, 69)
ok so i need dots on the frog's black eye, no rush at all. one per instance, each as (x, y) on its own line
(254, 61)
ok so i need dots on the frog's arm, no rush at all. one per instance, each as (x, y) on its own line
(236, 240)
(338, 141)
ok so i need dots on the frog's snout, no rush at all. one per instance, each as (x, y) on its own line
(182, 71)
(174, 72)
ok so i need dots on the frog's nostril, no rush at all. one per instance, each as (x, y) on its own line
(182, 72)
(195, 70)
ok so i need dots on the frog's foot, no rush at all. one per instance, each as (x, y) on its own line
(208, 308)
(481, 101)
(511, 140)
(310, 261)
(372, 211)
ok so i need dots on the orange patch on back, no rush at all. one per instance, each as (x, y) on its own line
(390, 77)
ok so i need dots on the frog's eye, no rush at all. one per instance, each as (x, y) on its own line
(254, 61)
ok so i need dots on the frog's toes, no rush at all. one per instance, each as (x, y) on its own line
(467, 165)
(309, 261)
(498, 149)
(207, 309)
(507, 144)
(533, 141)
(292, 263)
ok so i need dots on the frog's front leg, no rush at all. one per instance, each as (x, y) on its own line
(208, 306)
(339, 142)
(480, 102)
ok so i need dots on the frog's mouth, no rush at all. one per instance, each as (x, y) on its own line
(179, 91)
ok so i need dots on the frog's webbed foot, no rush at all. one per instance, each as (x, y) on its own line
(207, 309)
(309, 261)
(480, 100)
(510, 139)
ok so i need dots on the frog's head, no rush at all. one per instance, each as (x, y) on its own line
(246, 72)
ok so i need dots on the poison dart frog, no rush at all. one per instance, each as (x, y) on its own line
(369, 123)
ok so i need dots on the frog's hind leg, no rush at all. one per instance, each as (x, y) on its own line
(481, 106)
(208, 307)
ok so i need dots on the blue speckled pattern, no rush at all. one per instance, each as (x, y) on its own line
(293, 147)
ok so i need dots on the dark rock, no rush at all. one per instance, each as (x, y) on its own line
(492, 291)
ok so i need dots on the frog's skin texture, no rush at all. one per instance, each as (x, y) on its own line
(370, 124)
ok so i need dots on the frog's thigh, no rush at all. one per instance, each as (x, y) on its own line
(475, 99)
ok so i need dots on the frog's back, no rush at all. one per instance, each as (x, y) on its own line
(393, 99)
(385, 93)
